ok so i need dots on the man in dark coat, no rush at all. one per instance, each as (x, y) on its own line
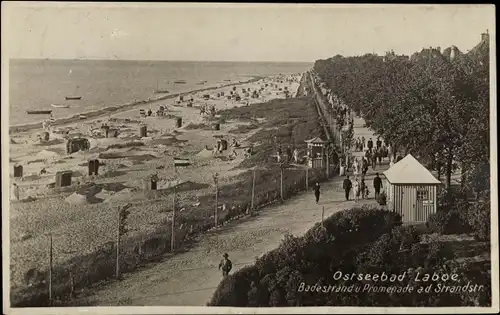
(370, 144)
(377, 184)
(347, 185)
(226, 265)
(316, 192)
(379, 143)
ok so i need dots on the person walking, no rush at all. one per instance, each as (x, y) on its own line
(374, 157)
(278, 154)
(225, 265)
(355, 168)
(370, 144)
(364, 169)
(356, 190)
(316, 192)
(362, 187)
(377, 184)
(347, 185)
(363, 141)
(378, 143)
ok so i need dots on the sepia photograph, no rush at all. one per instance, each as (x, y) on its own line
(223, 158)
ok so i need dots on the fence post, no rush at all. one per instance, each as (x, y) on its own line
(307, 177)
(327, 164)
(216, 181)
(281, 182)
(118, 223)
(253, 191)
(322, 215)
(50, 269)
(172, 238)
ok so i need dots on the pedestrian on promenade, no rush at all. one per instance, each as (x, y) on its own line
(363, 188)
(356, 190)
(379, 143)
(288, 153)
(355, 168)
(347, 185)
(370, 144)
(377, 184)
(374, 158)
(365, 167)
(363, 140)
(225, 265)
(316, 192)
(368, 155)
(384, 152)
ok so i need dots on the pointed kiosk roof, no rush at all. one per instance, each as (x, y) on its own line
(410, 171)
(316, 140)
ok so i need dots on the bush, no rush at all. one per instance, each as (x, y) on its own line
(382, 198)
(479, 218)
(324, 248)
(447, 222)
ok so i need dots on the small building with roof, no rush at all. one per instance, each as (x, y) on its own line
(411, 190)
(316, 152)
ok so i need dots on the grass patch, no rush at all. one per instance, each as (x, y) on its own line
(287, 122)
(241, 129)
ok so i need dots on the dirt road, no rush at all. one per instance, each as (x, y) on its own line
(190, 278)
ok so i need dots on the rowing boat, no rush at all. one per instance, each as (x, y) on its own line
(39, 112)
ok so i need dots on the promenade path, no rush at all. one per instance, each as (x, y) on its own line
(190, 278)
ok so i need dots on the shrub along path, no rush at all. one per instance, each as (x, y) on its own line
(190, 278)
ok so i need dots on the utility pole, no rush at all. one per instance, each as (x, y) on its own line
(322, 215)
(253, 189)
(172, 238)
(118, 223)
(216, 182)
(327, 162)
(307, 176)
(50, 269)
(281, 181)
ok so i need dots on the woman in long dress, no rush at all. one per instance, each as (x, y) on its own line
(355, 168)
(356, 190)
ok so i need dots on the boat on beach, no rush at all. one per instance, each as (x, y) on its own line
(74, 98)
(59, 106)
(180, 82)
(39, 112)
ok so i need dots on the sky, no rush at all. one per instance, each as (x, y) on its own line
(234, 32)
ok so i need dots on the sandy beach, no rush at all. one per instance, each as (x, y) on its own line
(82, 217)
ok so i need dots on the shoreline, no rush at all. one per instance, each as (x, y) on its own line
(118, 108)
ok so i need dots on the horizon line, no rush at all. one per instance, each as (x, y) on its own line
(160, 60)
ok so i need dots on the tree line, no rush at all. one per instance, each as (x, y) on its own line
(431, 105)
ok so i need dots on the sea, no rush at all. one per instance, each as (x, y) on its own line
(37, 84)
